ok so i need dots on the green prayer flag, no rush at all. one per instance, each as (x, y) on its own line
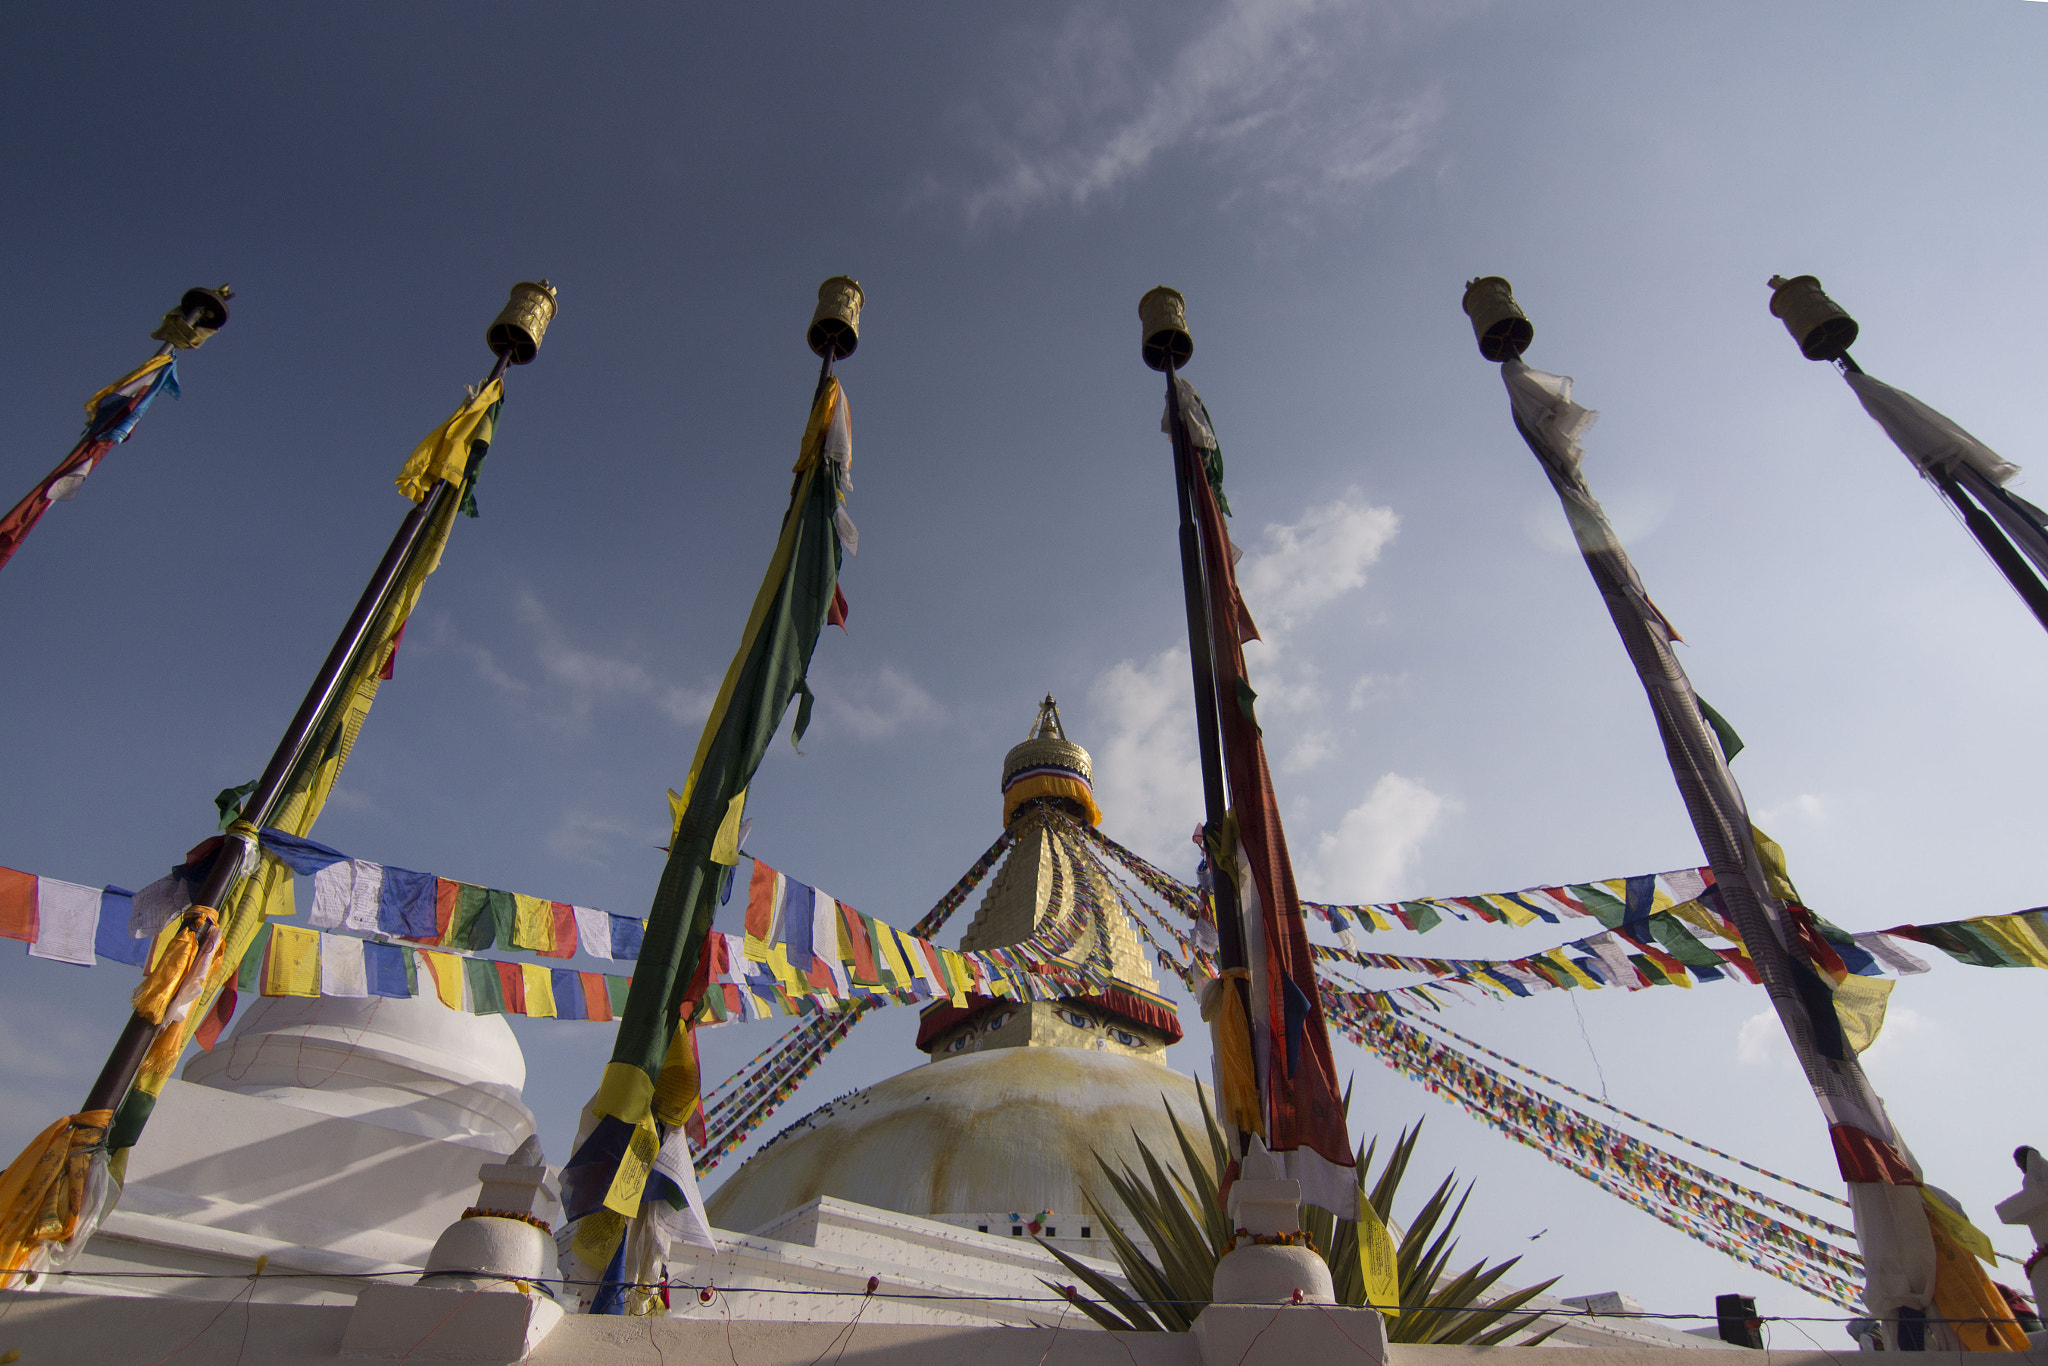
(486, 993)
(1731, 743)
(249, 975)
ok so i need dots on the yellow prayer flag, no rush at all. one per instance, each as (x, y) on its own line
(1696, 914)
(2017, 936)
(1518, 916)
(962, 975)
(1772, 856)
(1859, 1004)
(446, 971)
(893, 951)
(725, 846)
(539, 984)
(1379, 922)
(533, 923)
(293, 965)
(443, 454)
(1578, 974)
(1378, 1263)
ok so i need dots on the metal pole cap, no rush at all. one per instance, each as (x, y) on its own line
(1163, 319)
(1502, 329)
(211, 305)
(1822, 327)
(835, 322)
(523, 321)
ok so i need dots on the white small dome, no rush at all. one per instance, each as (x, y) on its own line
(404, 1063)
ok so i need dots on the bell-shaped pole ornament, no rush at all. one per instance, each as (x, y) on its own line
(515, 334)
(1822, 327)
(1163, 331)
(835, 323)
(1498, 323)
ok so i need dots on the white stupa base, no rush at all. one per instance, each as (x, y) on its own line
(1287, 1335)
(437, 1323)
(1266, 1273)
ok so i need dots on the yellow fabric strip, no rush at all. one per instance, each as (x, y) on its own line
(533, 923)
(785, 972)
(445, 969)
(443, 454)
(2016, 935)
(540, 991)
(1860, 1004)
(1557, 957)
(962, 975)
(1518, 916)
(634, 1164)
(1378, 1263)
(1700, 918)
(725, 848)
(293, 967)
(624, 1093)
(676, 1093)
(1379, 922)
(148, 367)
(892, 951)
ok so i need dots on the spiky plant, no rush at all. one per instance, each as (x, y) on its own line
(1177, 1210)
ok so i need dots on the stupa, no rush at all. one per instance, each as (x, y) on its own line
(1000, 1130)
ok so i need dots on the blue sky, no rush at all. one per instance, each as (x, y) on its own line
(1446, 704)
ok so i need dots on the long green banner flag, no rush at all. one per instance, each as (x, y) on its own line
(649, 1085)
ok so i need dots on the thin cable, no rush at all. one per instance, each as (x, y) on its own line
(1598, 1070)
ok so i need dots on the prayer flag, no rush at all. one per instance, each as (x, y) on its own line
(511, 987)
(113, 939)
(626, 937)
(388, 971)
(566, 989)
(342, 970)
(446, 971)
(292, 967)
(486, 993)
(766, 889)
(447, 896)
(67, 921)
(474, 927)
(597, 1001)
(18, 905)
(798, 902)
(533, 925)
(593, 932)
(408, 904)
(536, 991)
(564, 931)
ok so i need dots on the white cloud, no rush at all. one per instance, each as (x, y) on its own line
(558, 681)
(1761, 1042)
(1308, 752)
(1302, 567)
(878, 706)
(1148, 777)
(1371, 688)
(1807, 806)
(1272, 88)
(1372, 854)
(586, 837)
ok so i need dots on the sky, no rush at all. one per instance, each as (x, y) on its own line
(1446, 705)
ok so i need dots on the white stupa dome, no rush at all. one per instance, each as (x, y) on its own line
(406, 1063)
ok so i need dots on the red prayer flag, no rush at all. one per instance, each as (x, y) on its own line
(18, 905)
(565, 931)
(391, 660)
(597, 1001)
(512, 986)
(445, 895)
(762, 886)
(216, 1019)
(837, 615)
(863, 951)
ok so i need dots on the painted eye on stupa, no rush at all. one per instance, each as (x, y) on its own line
(1128, 1040)
(957, 1044)
(999, 1021)
(1076, 1019)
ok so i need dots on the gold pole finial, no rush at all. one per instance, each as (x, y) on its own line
(523, 321)
(1822, 327)
(835, 323)
(1163, 328)
(1502, 329)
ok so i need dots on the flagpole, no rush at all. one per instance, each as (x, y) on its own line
(1825, 332)
(1168, 345)
(240, 845)
(200, 313)
(1883, 1182)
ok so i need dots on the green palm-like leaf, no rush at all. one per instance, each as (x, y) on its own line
(1177, 1211)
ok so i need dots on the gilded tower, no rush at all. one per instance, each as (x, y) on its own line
(1001, 1131)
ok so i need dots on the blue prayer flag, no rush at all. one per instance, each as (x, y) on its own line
(568, 986)
(626, 936)
(302, 856)
(388, 969)
(405, 904)
(112, 940)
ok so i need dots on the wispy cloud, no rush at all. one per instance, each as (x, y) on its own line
(1271, 91)
(587, 837)
(551, 678)
(1147, 775)
(878, 705)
